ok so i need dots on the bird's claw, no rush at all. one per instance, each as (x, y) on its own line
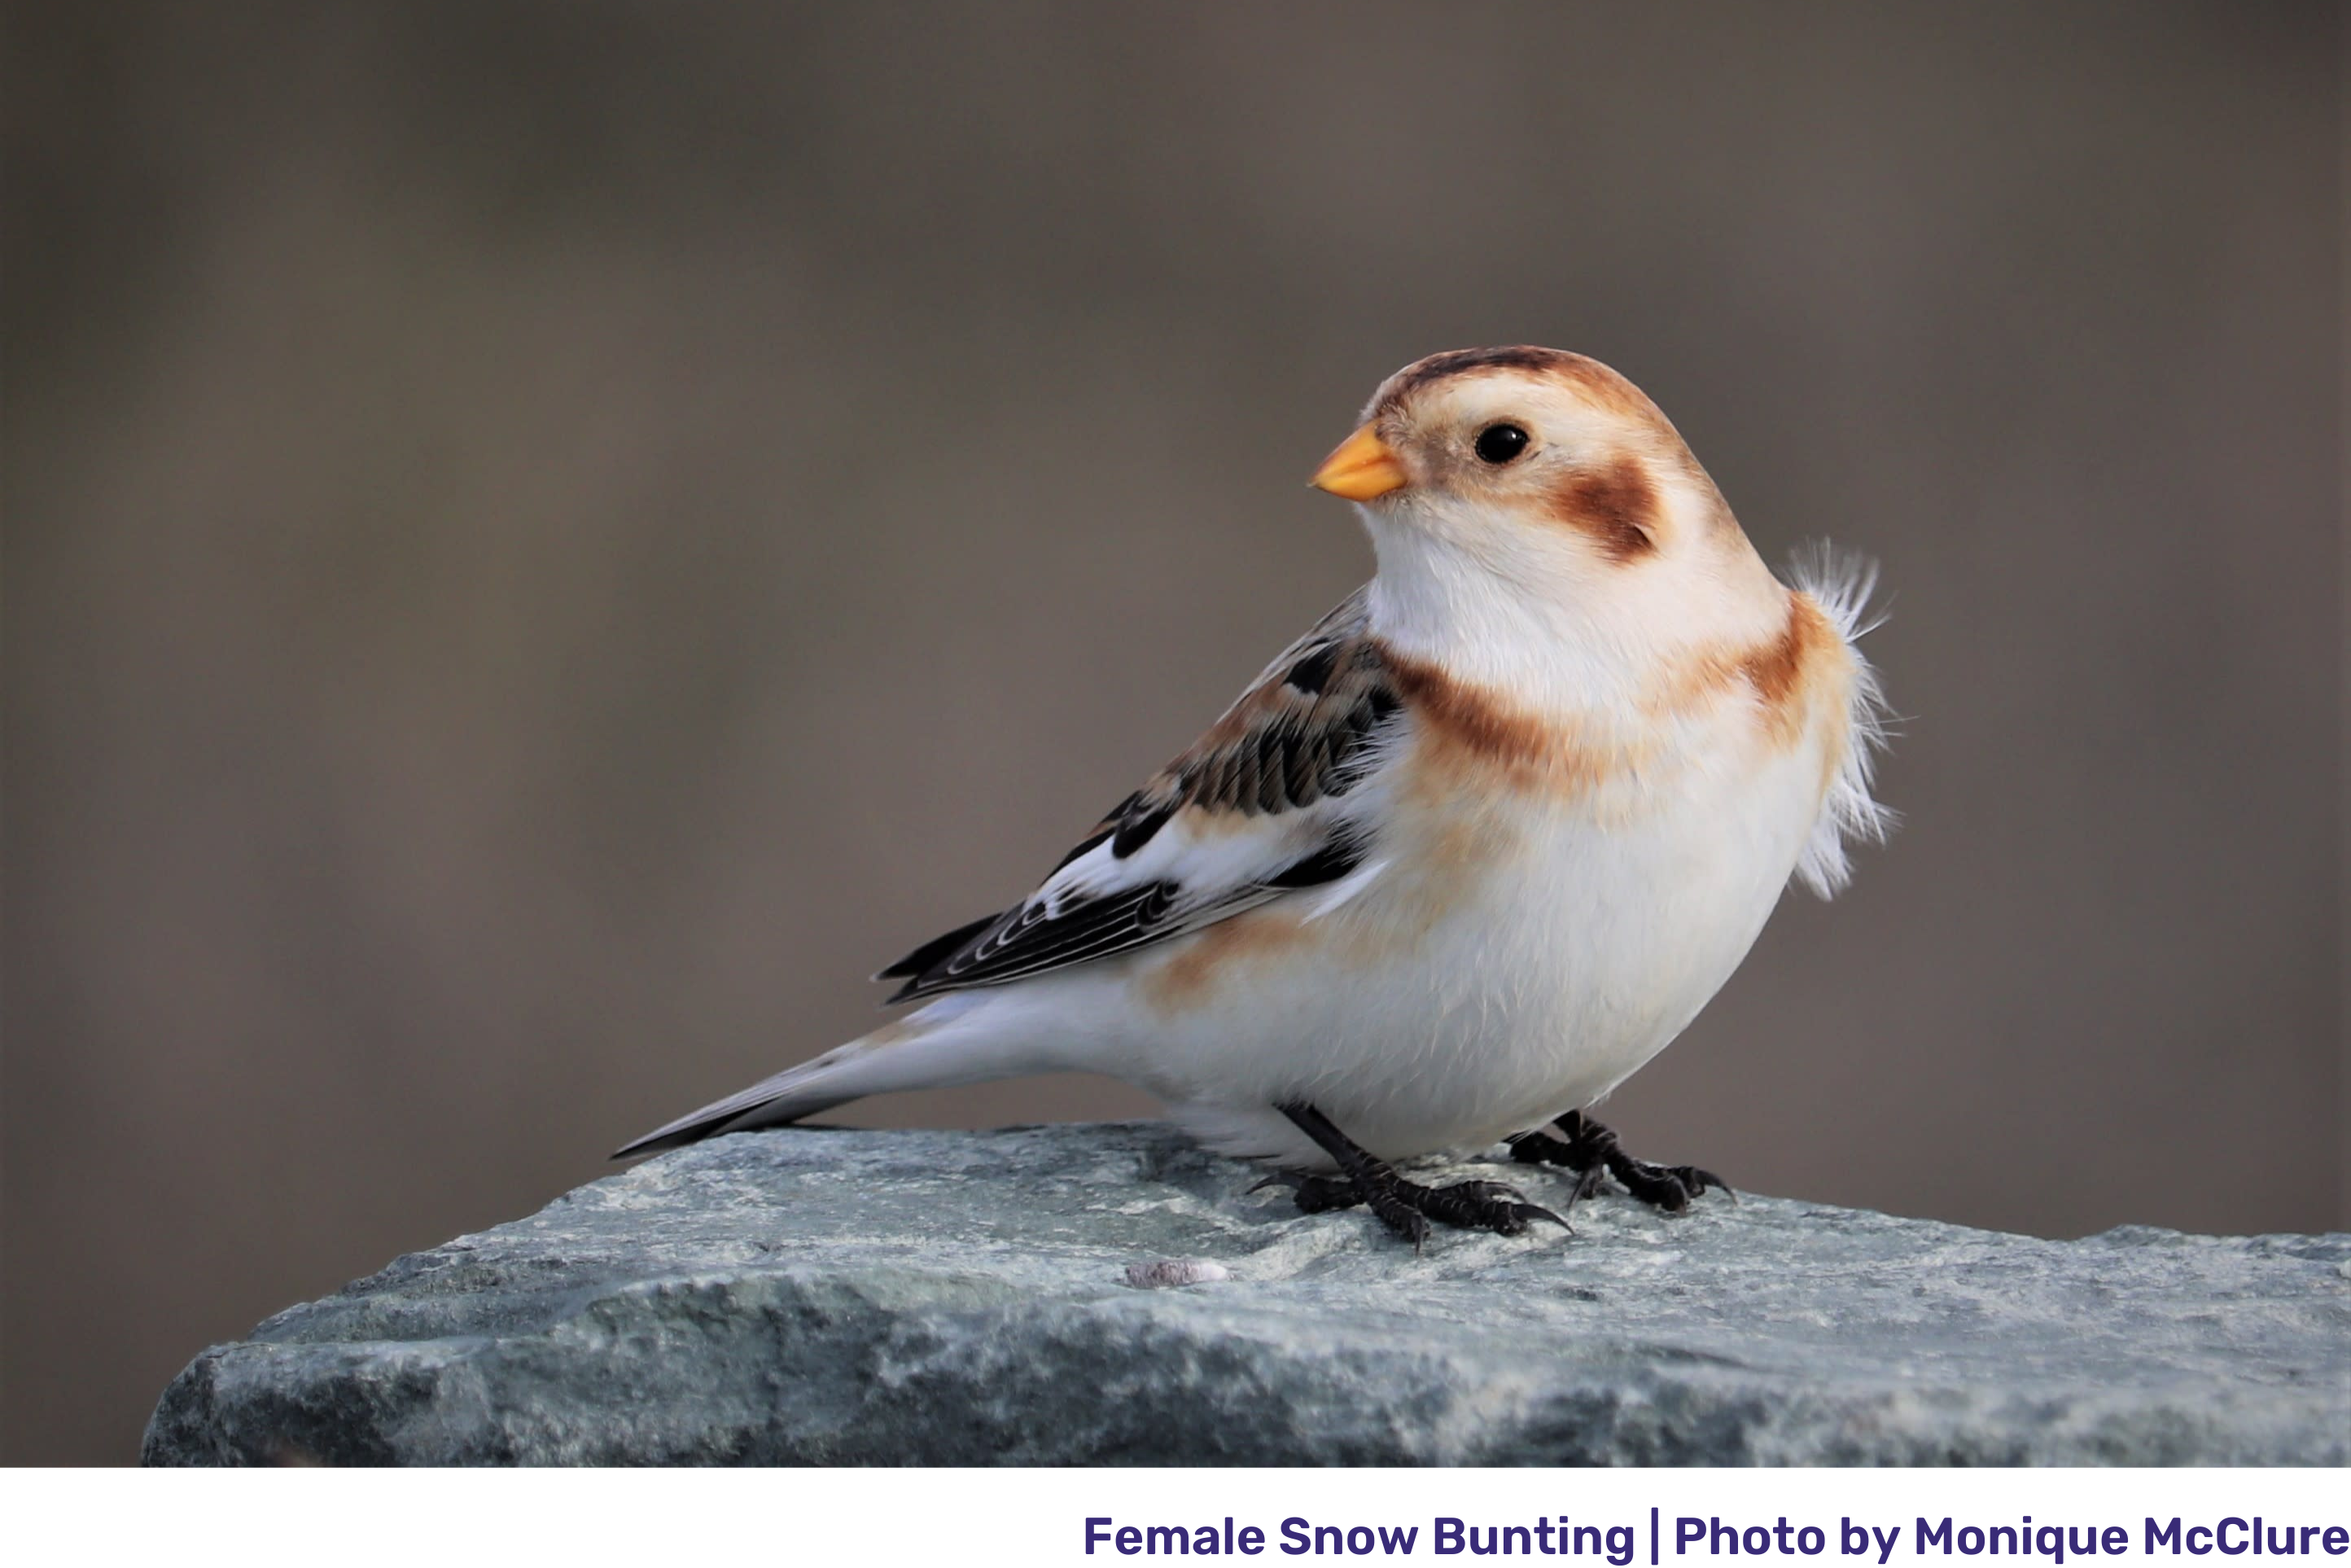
(1587, 1184)
(1668, 1188)
(1321, 1194)
(1405, 1207)
(1591, 1152)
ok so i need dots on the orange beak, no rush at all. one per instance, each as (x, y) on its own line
(1361, 469)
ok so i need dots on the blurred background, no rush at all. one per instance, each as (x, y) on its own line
(545, 541)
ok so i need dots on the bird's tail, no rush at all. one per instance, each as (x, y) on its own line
(934, 1048)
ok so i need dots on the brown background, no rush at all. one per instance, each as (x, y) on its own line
(545, 541)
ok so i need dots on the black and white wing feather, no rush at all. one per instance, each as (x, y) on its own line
(1256, 808)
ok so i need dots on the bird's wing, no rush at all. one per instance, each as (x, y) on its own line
(1256, 808)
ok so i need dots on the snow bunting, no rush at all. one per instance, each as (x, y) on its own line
(1465, 855)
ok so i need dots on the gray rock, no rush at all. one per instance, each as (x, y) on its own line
(1037, 1296)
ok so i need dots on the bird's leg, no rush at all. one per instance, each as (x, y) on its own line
(1405, 1207)
(1591, 1149)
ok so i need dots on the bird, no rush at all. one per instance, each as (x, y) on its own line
(1463, 857)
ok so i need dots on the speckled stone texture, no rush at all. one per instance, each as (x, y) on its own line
(818, 1296)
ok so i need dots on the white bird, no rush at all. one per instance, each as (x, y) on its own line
(1464, 856)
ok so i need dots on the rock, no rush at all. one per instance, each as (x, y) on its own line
(838, 1297)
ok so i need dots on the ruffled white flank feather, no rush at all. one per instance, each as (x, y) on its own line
(1843, 584)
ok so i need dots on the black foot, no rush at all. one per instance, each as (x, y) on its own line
(1405, 1207)
(1591, 1149)
(1314, 1193)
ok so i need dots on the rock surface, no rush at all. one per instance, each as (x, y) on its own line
(834, 1297)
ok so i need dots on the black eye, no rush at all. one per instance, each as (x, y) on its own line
(1498, 443)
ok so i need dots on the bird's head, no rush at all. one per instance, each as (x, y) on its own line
(1547, 470)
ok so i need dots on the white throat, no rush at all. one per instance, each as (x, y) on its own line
(1432, 600)
(1545, 622)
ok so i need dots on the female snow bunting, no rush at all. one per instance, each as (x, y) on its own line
(1468, 853)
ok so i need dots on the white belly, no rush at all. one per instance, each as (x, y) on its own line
(1518, 967)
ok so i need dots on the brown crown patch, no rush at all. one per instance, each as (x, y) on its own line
(1616, 505)
(1595, 381)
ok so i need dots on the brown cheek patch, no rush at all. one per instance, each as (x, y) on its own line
(1615, 505)
(1189, 978)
